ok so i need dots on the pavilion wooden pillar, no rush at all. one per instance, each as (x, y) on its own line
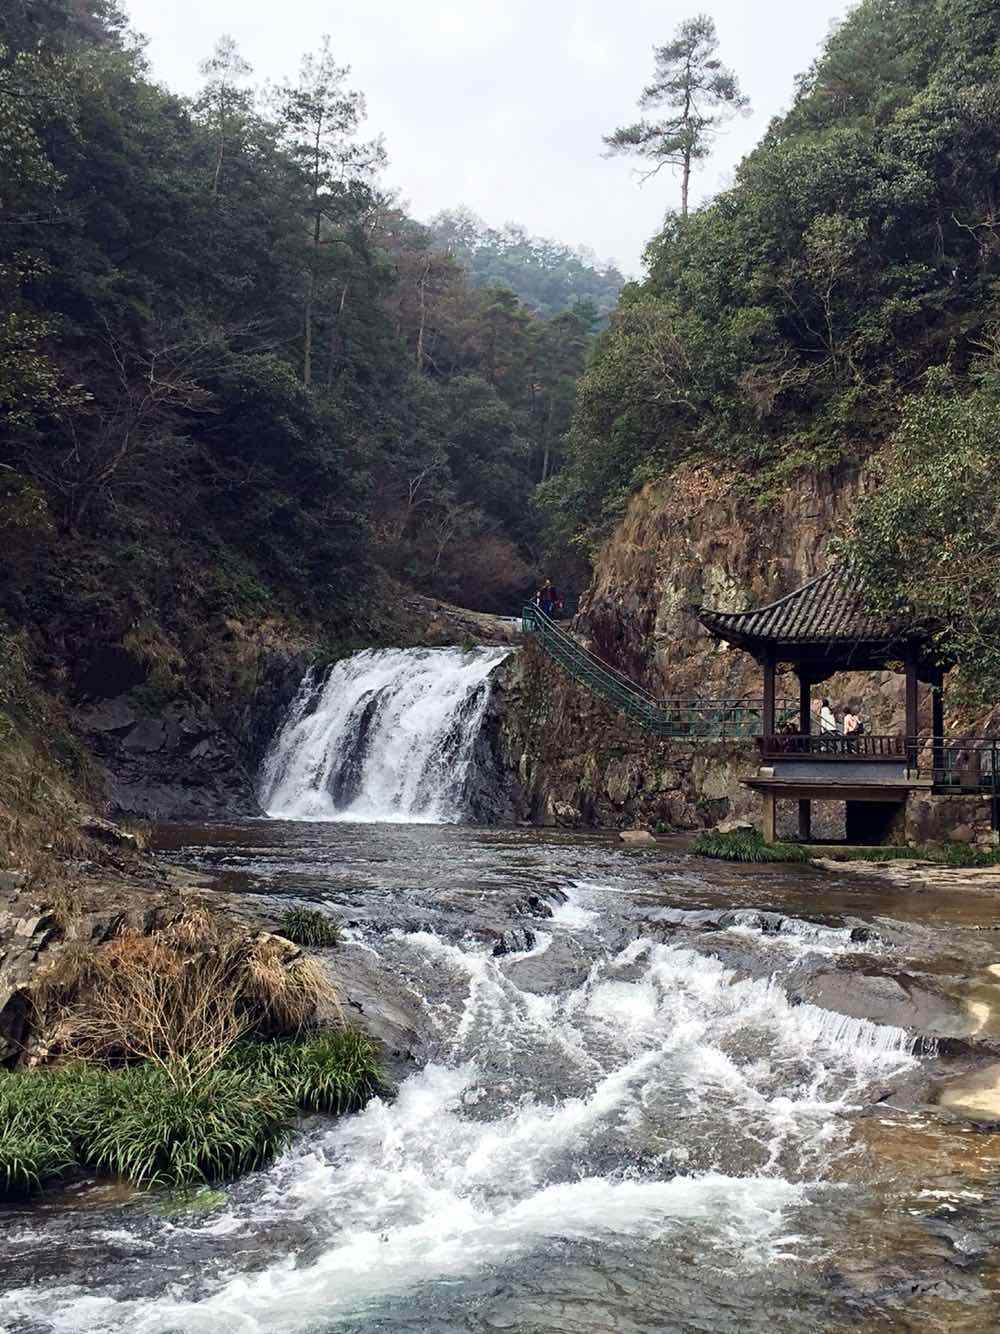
(937, 718)
(770, 823)
(770, 692)
(770, 708)
(805, 727)
(912, 708)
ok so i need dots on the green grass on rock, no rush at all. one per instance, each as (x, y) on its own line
(156, 1126)
(746, 845)
(309, 926)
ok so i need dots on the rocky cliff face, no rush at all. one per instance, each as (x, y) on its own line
(694, 539)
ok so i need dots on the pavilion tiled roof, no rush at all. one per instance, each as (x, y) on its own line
(829, 609)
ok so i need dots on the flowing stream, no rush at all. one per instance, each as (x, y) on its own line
(601, 1123)
(614, 1111)
(386, 735)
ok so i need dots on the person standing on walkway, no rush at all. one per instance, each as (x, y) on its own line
(548, 598)
(827, 718)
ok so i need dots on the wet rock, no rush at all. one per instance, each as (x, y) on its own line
(899, 1001)
(376, 1002)
(176, 764)
(636, 836)
(976, 1095)
(865, 935)
(562, 967)
(514, 942)
(539, 905)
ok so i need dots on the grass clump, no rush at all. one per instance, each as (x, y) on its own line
(309, 926)
(746, 845)
(332, 1072)
(947, 854)
(144, 1126)
(179, 999)
(156, 1126)
(963, 854)
(891, 852)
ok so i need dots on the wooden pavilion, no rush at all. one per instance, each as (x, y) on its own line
(821, 629)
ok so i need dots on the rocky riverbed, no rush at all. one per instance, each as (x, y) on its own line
(635, 1090)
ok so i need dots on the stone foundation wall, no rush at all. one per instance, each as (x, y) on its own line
(939, 819)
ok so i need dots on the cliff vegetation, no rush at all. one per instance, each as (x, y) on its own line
(833, 313)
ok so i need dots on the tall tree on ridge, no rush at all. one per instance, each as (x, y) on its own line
(692, 83)
(320, 120)
(224, 104)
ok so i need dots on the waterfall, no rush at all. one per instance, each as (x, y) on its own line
(386, 735)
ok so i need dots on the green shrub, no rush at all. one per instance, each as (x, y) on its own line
(746, 845)
(334, 1073)
(28, 1161)
(948, 854)
(35, 1144)
(891, 852)
(309, 926)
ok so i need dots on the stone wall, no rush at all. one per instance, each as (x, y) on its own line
(576, 761)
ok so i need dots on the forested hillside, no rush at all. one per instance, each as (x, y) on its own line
(839, 303)
(233, 376)
(549, 277)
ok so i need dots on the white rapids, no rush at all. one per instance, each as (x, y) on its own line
(387, 736)
(663, 1102)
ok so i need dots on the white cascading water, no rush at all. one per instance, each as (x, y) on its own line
(520, 1139)
(386, 736)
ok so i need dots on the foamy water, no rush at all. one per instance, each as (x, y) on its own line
(662, 1098)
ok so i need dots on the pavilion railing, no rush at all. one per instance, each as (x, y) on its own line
(833, 745)
(680, 718)
(955, 763)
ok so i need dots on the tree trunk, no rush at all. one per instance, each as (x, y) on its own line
(689, 146)
(340, 335)
(422, 287)
(310, 302)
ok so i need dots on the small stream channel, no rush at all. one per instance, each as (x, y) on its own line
(615, 1111)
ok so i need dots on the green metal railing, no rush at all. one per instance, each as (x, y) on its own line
(706, 719)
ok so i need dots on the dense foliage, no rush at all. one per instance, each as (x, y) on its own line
(854, 262)
(235, 380)
(549, 277)
(309, 926)
(926, 539)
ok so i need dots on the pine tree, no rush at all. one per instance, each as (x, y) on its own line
(692, 83)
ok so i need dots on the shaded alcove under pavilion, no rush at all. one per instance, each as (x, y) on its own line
(819, 630)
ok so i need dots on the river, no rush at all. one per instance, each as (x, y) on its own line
(634, 1090)
(627, 1123)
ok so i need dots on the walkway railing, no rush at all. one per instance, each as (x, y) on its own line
(959, 763)
(707, 719)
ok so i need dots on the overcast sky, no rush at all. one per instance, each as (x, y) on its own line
(500, 104)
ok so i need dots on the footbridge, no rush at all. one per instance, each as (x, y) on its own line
(681, 718)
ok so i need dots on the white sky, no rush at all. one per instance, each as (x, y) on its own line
(500, 104)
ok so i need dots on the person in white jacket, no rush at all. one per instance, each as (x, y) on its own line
(827, 718)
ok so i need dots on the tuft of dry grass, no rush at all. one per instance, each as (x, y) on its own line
(180, 999)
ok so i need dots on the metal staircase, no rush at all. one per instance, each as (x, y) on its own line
(704, 719)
